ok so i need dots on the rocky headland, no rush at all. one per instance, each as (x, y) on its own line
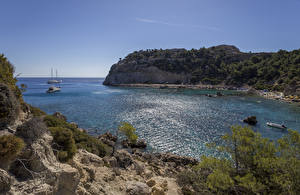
(223, 66)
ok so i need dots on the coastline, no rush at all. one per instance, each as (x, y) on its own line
(177, 86)
(273, 95)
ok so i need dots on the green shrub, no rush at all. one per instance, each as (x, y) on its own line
(52, 121)
(7, 76)
(129, 131)
(257, 166)
(10, 147)
(63, 142)
(36, 111)
(89, 143)
(81, 139)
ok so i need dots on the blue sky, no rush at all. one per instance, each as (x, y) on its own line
(83, 38)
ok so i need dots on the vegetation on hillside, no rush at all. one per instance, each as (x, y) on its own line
(7, 77)
(257, 166)
(10, 147)
(66, 135)
(225, 64)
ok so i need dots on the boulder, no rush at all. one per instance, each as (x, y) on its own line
(108, 139)
(124, 159)
(151, 183)
(137, 188)
(251, 120)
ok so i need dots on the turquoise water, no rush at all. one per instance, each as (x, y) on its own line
(178, 121)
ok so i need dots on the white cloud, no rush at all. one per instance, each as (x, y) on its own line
(146, 20)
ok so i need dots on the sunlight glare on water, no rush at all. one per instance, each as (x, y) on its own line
(170, 120)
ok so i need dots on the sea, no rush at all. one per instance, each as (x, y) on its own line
(181, 121)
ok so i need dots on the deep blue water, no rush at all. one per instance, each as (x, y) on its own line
(178, 121)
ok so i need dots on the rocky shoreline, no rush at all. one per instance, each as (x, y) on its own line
(274, 95)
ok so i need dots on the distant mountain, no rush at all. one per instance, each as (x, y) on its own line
(223, 64)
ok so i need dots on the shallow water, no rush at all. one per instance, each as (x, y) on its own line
(181, 121)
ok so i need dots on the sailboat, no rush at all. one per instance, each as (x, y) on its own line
(52, 80)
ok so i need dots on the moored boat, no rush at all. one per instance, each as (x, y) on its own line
(52, 80)
(53, 89)
(276, 125)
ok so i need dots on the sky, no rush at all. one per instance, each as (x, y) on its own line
(83, 38)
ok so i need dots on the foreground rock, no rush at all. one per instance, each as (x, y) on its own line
(38, 172)
(126, 173)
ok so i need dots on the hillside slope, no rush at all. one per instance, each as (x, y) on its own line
(224, 64)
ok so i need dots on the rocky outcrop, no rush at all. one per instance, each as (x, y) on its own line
(108, 138)
(126, 173)
(139, 144)
(251, 120)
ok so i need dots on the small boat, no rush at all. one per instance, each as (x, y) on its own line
(52, 80)
(276, 125)
(53, 89)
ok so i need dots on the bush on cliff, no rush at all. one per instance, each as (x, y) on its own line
(36, 111)
(7, 76)
(81, 139)
(63, 142)
(257, 166)
(10, 147)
